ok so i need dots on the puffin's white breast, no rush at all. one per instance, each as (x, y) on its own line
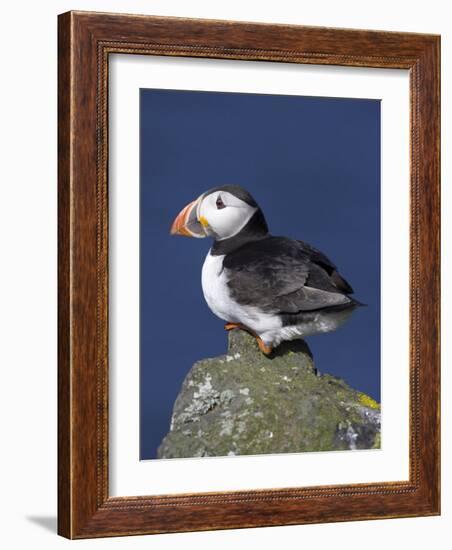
(217, 295)
(215, 289)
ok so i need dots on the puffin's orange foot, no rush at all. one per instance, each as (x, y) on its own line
(263, 347)
(231, 326)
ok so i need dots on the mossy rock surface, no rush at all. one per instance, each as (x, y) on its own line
(244, 403)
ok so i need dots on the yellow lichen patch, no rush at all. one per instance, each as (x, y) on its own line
(367, 401)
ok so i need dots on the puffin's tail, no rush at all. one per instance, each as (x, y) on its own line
(356, 302)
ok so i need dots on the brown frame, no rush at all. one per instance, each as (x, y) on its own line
(85, 41)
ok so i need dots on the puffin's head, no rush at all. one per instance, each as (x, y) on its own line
(221, 213)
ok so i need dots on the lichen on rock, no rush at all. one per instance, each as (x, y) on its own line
(245, 403)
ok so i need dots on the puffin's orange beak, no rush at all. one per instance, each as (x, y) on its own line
(187, 223)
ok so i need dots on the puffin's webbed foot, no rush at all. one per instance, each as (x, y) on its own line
(262, 346)
(266, 350)
(232, 326)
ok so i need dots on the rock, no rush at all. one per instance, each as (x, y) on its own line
(245, 403)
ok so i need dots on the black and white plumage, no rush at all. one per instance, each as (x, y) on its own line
(277, 288)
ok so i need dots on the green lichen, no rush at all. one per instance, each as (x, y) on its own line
(377, 442)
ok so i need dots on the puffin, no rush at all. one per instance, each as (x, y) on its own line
(275, 288)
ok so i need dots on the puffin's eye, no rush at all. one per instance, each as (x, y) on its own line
(220, 204)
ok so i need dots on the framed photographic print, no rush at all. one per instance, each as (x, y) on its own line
(248, 275)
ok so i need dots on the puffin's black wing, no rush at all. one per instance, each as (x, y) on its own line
(281, 275)
(320, 259)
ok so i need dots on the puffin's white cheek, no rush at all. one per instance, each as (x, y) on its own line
(226, 222)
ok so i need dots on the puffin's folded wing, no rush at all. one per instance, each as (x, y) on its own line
(323, 261)
(308, 299)
(279, 281)
(260, 282)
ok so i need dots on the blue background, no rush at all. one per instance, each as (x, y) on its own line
(312, 164)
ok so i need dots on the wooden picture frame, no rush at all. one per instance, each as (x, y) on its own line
(85, 42)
